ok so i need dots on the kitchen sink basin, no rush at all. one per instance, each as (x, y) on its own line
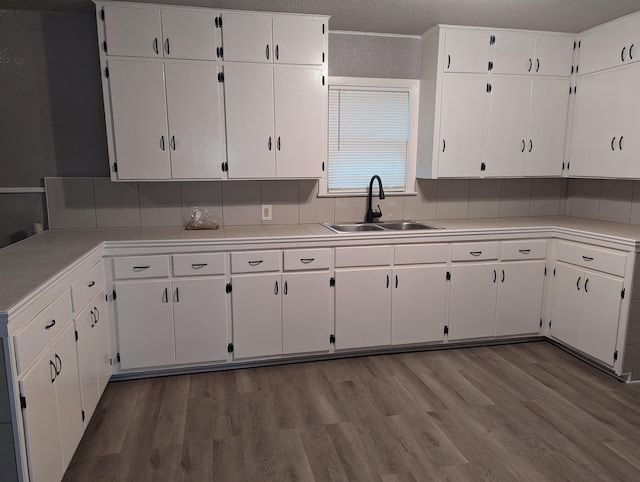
(380, 227)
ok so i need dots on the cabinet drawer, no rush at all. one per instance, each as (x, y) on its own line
(421, 254)
(364, 256)
(255, 261)
(198, 264)
(474, 251)
(599, 259)
(518, 250)
(141, 267)
(87, 286)
(298, 259)
(40, 331)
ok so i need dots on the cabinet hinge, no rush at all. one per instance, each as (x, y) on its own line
(106, 72)
(622, 293)
(218, 22)
(323, 29)
(228, 288)
(115, 167)
(332, 281)
(114, 294)
(215, 22)
(446, 330)
(575, 89)
(323, 80)
(554, 272)
(483, 166)
(577, 68)
(572, 69)
(448, 276)
(104, 45)
(549, 323)
(490, 65)
(563, 166)
(118, 357)
(111, 361)
(575, 44)
(83, 415)
(323, 57)
(579, 43)
(492, 40)
(568, 166)
(225, 166)
(545, 271)
(615, 355)
(106, 298)
(102, 14)
(570, 90)
(230, 348)
(23, 401)
(219, 52)
(76, 332)
(488, 87)
(220, 76)
(540, 322)
(323, 166)
(332, 339)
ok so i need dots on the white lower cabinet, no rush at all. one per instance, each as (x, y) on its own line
(53, 412)
(567, 303)
(519, 298)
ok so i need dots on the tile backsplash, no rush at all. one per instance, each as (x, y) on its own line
(616, 200)
(98, 202)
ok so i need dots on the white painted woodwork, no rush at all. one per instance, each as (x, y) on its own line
(544, 154)
(421, 253)
(466, 50)
(306, 259)
(567, 303)
(628, 148)
(462, 121)
(300, 99)
(194, 104)
(189, 34)
(475, 251)
(102, 334)
(418, 304)
(251, 146)
(87, 345)
(508, 121)
(200, 320)
(472, 302)
(364, 256)
(85, 287)
(514, 53)
(256, 261)
(519, 298)
(132, 31)
(247, 37)
(139, 114)
(362, 308)
(523, 250)
(198, 264)
(307, 311)
(592, 257)
(299, 40)
(553, 55)
(598, 330)
(127, 267)
(145, 323)
(257, 315)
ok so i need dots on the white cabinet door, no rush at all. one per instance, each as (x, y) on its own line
(547, 126)
(247, 37)
(363, 307)
(554, 55)
(102, 331)
(508, 121)
(418, 304)
(189, 34)
(598, 330)
(514, 53)
(132, 31)
(306, 312)
(251, 147)
(139, 114)
(462, 122)
(145, 324)
(601, 48)
(466, 51)
(628, 142)
(300, 100)
(567, 303)
(85, 323)
(200, 320)
(520, 298)
(298, 40)
(472, 301)
(194, 103)
(257, 315)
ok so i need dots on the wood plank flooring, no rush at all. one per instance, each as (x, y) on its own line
(514, 412)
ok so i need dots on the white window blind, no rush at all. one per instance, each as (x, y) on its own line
(368, 134)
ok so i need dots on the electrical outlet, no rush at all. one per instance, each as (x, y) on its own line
(266, 212)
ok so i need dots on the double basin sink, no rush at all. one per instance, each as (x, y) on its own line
(380, 227)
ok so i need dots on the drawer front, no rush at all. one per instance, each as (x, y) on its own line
(299, 259)
(520, 250)
(599, 259)
(198, 264)
(364, 256)
(475, 251)
(255, 261)
(421, 254)
(40, 331)
(87, 286)
(129, 267)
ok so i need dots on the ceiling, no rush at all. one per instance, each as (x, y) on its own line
(405, 16)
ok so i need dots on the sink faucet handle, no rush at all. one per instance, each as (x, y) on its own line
(378, 213)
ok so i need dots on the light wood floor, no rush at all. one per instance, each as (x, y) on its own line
(514, 412)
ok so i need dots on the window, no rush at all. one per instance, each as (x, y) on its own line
(370, 132)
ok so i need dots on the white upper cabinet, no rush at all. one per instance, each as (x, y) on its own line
(554, 55)
(514, 53)
(189, 34)
(247, 37)
(299, 40)
(466, 50)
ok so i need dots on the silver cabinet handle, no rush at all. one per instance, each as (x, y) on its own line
(255, 262)
(524, 251)
(141, 268)
(307, 260)
(198, 265)
(475, 253)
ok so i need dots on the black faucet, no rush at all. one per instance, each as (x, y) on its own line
(371, 214)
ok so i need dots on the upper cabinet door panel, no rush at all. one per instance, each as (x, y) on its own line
(554, 55)
(132, 31)
(247, 37)
(189, 34)
(513, 53)
(298, 40)
(628, 143)
(466, 51)
(602, 48)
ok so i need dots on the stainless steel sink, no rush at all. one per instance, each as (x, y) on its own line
(380, 227)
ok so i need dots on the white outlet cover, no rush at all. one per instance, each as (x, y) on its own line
(266, 212)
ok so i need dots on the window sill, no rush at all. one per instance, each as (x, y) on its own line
(364, 194)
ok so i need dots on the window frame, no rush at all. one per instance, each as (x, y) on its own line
(410, 86)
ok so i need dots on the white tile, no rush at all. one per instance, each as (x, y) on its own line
(453, 199)
(241, 203)
(392, 207)
(283, 197)
(546, 197)
(635, 204)
(484, 198)
(351, 209)
(160, 204)
(615, 200)
(423, 205)
(70, 203)
(314, 209)
(515, 197)
(203, 195)
(117, 204)
(585, 197)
